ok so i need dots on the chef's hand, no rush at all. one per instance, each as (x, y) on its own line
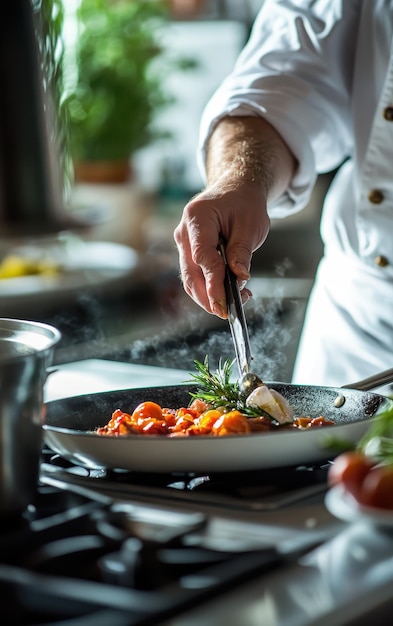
(237, 212)
(247, 164)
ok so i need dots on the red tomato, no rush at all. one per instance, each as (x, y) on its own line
(148, 409)
(200, 406)
(377, 488)
(230, 424)
(183, 423)
(349, 469)
(209, 418)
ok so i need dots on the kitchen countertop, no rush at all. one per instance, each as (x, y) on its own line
(330, 586)
(99, 375)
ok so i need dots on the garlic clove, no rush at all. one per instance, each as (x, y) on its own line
(272, 402)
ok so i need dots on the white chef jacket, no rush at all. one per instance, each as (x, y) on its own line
(321, 72)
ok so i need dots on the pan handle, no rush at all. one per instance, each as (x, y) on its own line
(383, 378)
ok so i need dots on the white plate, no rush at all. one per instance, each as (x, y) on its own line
(85, 265)
(344, 506)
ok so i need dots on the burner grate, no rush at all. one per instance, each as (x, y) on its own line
(90, 560)
(263, 490)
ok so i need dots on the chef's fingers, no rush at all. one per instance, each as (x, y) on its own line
(238, 217)
(201, 269)
(246, 295)
(245, 236)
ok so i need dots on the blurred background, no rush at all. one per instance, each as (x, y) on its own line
(98, 136)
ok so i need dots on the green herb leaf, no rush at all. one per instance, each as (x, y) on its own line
(378, 440)
(217, 390)
(337, 444)
(376, 443)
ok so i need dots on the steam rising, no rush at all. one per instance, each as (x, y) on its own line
(270, 333)
(179, 332)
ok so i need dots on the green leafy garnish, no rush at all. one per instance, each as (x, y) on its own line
(338, 444)
(376, 443)
(378, 440)
(217, 390)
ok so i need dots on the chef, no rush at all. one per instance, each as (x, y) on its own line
(311, 92)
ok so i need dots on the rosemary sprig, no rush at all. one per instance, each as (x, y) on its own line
(217, 389)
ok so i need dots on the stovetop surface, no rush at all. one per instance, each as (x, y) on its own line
(128, 548)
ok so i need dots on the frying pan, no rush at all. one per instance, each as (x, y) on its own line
(70, 422)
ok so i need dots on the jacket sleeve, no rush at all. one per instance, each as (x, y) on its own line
(296, 71)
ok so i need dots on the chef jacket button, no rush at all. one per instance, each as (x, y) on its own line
(388, 113)
(375, 196)
(381, 261)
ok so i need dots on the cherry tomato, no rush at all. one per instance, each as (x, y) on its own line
(377, 488)
(183, 423)
(350, 469)
(230, 424)
(208, 419)
(148, 409)
(154, 427)
(200, 406)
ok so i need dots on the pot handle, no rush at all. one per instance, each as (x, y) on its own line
(383, 378)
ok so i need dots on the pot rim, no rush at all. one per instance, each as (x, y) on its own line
(39, 337)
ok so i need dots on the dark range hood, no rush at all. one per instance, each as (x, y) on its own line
(31, 196)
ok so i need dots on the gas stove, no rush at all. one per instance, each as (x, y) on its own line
(115, 547)
(86, 559)
(121, 548)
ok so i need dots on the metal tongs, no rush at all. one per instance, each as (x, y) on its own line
(239, 331)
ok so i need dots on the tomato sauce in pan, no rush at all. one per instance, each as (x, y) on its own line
(149, 418)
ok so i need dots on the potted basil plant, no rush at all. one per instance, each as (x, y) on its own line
(115, 86)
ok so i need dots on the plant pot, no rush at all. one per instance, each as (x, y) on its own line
(185, 9)
(106, 172)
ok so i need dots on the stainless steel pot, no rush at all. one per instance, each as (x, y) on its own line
(26, 351)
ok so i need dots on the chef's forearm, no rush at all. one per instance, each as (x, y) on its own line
(249, 149)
